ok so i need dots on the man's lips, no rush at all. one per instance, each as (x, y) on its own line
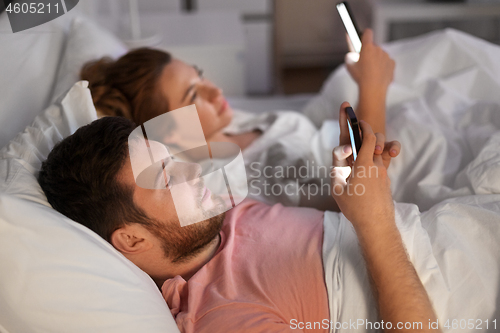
(206, 194)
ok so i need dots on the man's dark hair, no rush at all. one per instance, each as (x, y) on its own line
(79, 177)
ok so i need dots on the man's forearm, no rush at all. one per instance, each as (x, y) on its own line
(371, 107)
(400, 294)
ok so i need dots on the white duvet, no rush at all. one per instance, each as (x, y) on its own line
(444, 107)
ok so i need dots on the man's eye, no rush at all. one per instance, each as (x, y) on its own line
(166, 180)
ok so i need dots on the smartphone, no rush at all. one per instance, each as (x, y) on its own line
(354, 131)
(350, 25)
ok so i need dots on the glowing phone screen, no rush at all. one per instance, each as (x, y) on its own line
(349, 26)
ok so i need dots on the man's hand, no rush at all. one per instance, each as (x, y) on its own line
(388, 150)
(362, 191)
(374, 69)
(367, 185)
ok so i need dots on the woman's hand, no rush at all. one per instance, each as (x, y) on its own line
(363, 183)
(374, 69)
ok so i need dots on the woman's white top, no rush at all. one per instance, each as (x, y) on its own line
(290, 153)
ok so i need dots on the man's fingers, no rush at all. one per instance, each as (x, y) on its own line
(378, 159)
(393, 148)
(379, 146)
(369, 142)
(339, 179)
(344, 131)
(340, 155)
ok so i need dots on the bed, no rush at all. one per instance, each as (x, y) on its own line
(57, 276)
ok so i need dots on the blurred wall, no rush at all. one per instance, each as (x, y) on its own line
(255, 18)
(310, 33)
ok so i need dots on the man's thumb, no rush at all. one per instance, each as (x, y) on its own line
(340, 155)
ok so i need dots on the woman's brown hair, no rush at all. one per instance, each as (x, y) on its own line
(127, 86)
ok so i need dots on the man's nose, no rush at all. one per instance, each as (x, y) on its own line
(190, 171)
(195, 170)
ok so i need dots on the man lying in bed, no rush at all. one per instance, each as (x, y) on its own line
(257, 268)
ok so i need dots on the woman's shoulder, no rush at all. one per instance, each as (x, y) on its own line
(244, 121)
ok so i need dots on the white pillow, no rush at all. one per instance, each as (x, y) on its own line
(86, 41)
(56, 275)
(29, 62)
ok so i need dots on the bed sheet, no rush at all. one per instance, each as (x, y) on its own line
(454, 248)
(446, 127)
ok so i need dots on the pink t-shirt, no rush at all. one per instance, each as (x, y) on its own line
(267, 275)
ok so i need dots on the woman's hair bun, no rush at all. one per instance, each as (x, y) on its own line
(128, 86)
(108, 100)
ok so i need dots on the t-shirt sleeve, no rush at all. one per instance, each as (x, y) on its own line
(241, 318)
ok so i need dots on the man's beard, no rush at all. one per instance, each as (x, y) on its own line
(183, 243)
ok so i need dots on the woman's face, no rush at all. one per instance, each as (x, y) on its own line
(183, 85)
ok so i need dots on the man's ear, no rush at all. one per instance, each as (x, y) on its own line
(131, 239)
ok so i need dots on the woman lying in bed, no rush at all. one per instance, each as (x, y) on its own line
(146, 83)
